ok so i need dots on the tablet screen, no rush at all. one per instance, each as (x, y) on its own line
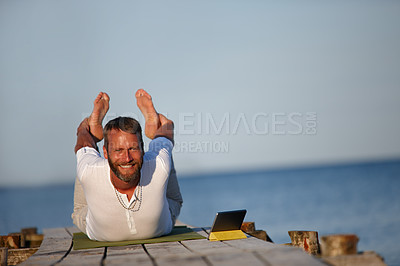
(228, 220)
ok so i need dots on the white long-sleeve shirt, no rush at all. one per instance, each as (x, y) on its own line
(107, 219)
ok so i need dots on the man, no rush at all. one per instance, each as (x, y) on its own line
(128, 194)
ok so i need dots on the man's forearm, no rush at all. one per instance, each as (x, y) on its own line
(84, 138)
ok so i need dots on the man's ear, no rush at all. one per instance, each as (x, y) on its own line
(105, 152)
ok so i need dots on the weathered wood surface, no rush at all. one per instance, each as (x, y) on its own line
(56, 249)
(3, 256)
(56, 244)
(335, 245)
(11, 241)
(368, 258)
(307, 240)
(16, 256)
(250, 228)
(128, 255)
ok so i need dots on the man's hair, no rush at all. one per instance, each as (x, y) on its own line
(126, 124)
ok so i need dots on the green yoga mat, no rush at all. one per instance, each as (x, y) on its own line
(178, 233)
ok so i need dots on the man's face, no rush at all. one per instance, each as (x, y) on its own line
(124, 155)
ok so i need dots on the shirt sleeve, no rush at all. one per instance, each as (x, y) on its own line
(86, 157)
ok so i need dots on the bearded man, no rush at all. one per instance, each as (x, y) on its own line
(128, 194)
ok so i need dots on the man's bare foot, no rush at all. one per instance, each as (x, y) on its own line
(95, 120)
(145, 104)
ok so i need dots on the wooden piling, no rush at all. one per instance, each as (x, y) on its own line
(11, 241)
(29, 231)
(3, 256)
(16, 256)
(307, 240)
(34, 241)
(335, 245)
(250, 228)
(26, 233)
(18, 247)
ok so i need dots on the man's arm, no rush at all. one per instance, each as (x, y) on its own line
(84, 138)
(166, 129)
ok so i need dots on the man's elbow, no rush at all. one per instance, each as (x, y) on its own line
(82, 144)
(78, 146)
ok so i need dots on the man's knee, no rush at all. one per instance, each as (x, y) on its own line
(79, 218)
(173, 190)
(80, 207)
(174, 209)
(79, 195)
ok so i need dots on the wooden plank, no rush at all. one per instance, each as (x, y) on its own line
(56, 243)
(73, 230)
(205, 247)
(235, 258)
(59, 232)
(157, 250)
(220, 253)
(173, 253)
(275, 254)
(251, 244)
(55, 239)
(127, 255)
(251, 251)
(84, 257)
(368, 258)
(184, 260)
(200, 231)
(256, 252)
(289, 256)
(19, 255)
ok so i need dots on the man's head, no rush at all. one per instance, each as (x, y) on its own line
(123, 147)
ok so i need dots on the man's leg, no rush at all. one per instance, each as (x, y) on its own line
(80, 207)
(152, 123)
(100, 109)
(174, 196)
(151, 117)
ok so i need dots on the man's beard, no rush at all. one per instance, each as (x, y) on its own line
(126, 178)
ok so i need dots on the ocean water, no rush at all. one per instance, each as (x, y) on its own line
(363, 199)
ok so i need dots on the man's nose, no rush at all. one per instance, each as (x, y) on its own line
(127, 156)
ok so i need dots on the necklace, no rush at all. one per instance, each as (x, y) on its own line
(138, 198)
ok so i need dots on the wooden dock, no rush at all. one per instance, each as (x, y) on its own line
(56, 249)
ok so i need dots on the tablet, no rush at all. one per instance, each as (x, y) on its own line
(228, 220)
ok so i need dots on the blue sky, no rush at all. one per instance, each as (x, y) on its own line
(249, 84)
